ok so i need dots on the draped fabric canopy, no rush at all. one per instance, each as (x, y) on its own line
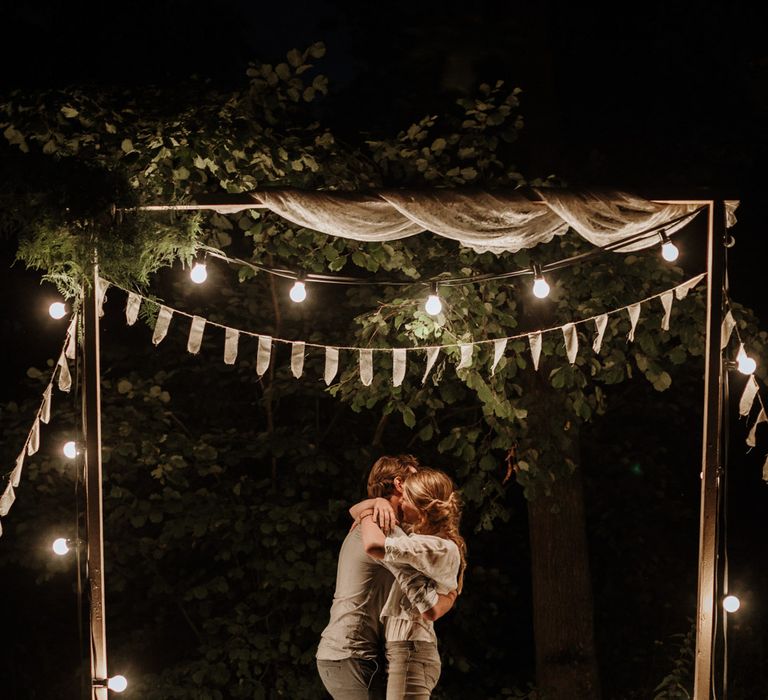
(503, 221)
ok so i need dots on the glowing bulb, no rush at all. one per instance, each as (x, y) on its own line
(731, 603)
(298, 292)
(57, 310)
(540, 288)
(433, 305)
(117, 683)
(60, 546)
(744, 363)
(198, 273)
(70, 449)
(669, 251)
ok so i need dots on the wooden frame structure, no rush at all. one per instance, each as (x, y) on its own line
(711, 464)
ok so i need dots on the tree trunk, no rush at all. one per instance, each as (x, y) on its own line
(566, 664)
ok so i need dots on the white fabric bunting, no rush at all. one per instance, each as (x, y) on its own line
(161, 326)
(398, 366)
(65, 378)
(366, 366)
(69, 352)
(634, 315)
(132, 308)
(231, 339)
(297, 359)
(748, 397)
(195, 334)
(729, 323)
(264, 354)
(33, 445)
(681, 291)
(101, 294)
(45, 408)
(666, 302)
(499, 346)
(765, 469)
(466, 356)
(7, 499)
(752, 437)
(331, 365)
(432, 354)
(601, 322)
(534, 340)
(16, 473)
(571, 338)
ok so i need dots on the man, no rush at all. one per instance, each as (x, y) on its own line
(348, 657)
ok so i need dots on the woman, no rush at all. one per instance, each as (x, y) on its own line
(432, 508)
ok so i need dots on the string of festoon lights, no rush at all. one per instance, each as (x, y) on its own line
(433, 304)
(61, 377)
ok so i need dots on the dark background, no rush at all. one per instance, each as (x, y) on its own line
(663, 98)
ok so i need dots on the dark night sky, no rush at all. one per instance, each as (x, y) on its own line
(674, 95)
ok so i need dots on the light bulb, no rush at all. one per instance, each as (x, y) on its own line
(433, 306)
(298, 292)
(731, 603)
(669, 251)
(60, 546)
(198, 274)
(70, 449)
(744, 363)
(117, 683)
(540, 288)
(57, 310)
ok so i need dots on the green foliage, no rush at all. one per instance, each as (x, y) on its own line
(678, 684)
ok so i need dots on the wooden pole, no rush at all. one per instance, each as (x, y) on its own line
(93, 488)
(711, 468)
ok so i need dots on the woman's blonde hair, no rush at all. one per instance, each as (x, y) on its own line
(434, 495)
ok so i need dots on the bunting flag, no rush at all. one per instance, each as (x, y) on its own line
(195, 335)
(297, 359)
(499, 346)
(161, 325)
(331, 364)
(65, 378)
(666, 302)
(132, 307)
(761, 418)
(748, 397)
(571, 338)
(765, 469)
(69, 352)
(34, 438)
(45, 409)
(398, 366)
(366, 366)
(601, 322)
(432, 354)
(231, 340)
(101, 294)
(534, 340)
(466, 356)
(16, 473)
(7, 499)
(726, 329)
(681, 291)
(264, 354)
(634, 315)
